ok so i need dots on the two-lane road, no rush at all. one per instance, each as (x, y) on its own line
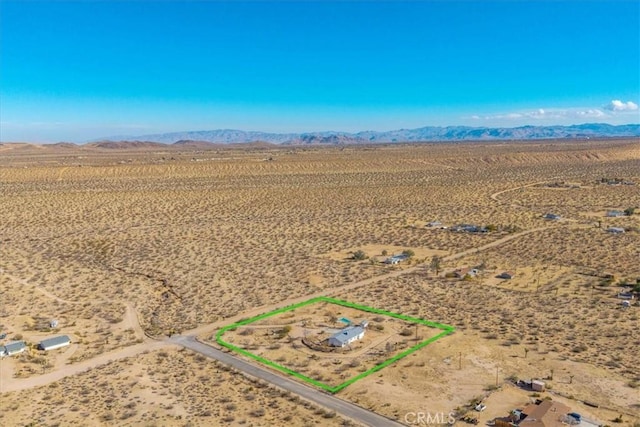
(342, 407)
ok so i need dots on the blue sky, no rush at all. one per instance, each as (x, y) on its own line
(81, 70)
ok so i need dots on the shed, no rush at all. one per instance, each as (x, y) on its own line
(615, 214)
(537, 385)
(551, 216)
(54, 343)
(12, 348)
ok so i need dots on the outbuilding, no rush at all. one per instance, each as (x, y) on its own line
(54, 343)
(551, 216)
(537, 385)
(615, 230)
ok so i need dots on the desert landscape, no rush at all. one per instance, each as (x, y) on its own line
(120, 246)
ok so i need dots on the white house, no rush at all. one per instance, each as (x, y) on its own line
(54, 343)
(347, 335)
(12, 348)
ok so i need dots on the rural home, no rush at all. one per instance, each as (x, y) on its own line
(54, 343)
(348, 335)
(396, 259)
(12, 348)
(544, 413)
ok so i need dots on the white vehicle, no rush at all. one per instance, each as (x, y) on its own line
(480, 407)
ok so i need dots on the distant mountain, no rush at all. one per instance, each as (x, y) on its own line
(119, 145)
(429, 133)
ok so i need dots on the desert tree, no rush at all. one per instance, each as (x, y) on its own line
(436, 264)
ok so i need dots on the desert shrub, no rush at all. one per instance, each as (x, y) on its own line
(408, 252)
(406, 332)
(579, 348)
(359, 255)
(257, 413)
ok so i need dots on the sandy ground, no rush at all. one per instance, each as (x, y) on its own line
(125, 245)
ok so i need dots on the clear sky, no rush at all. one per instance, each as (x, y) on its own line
(82, 70)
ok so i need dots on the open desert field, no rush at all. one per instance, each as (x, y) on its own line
(126, 246)
(301, 340)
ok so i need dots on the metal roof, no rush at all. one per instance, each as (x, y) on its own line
(51, 342)
(348, 333)
(13, 347)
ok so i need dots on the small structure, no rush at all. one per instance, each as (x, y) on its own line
(470, 228)
(506, 275)
(53, 324)
(347, 336)
(626, 303)
(625, 295)
(54, 343)
(537, 385)
(461, 273)
(552, 216)
(615, 214)
(12, 348)
(395, 259)
(615, 230)
(434, 224)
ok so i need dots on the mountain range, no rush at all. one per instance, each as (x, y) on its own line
(429, 133)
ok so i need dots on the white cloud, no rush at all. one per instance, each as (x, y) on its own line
(618, 105)
(542, 114)
(591, 113)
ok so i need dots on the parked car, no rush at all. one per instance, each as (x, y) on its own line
(480, 407)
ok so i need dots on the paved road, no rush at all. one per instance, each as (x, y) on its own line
(344, 408)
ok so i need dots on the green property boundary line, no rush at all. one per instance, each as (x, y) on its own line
(446, 330)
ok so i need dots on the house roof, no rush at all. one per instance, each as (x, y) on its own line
(546, 414)
(50, 342)
(14, 346)
(347, 333)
